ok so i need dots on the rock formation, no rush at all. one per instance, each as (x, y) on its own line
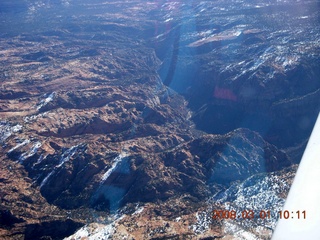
(138, 119)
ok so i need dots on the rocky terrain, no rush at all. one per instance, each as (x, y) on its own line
(252, 61)
(135, 120)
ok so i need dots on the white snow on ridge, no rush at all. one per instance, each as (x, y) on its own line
(30, 153)
(64, 158)
(46, 100)
(44, 181)
(25, 142)
(41, 158)
(139, 210)
(115, 163)
(202, 224)
(93, 231)
(67, 155)
(32, 118)
(6, 130)
(16, 128)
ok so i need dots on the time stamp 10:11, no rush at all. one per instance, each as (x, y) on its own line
(250, 214)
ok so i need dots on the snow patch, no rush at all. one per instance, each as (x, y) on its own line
(45, 180)
(258, 193)
(94, 232)
(46, 100)
(6, 130)
(16, 128)
(138, 211)
(115, 164)
(202, 224)
(41, 158)
(64, 158)
(25, 142)
(31, 118)
(31, 152)
(67, 155)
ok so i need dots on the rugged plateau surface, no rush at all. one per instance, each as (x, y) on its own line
(136, 119)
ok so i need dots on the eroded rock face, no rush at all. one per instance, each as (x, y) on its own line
(91, 128)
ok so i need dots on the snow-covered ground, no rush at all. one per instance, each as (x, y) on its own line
(33, 150)
(93, 231)
(117, 161)
(258, 193)
(48, 98)
(7, 129)
(102, 231)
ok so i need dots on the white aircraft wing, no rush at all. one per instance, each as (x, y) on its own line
(300, 217)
